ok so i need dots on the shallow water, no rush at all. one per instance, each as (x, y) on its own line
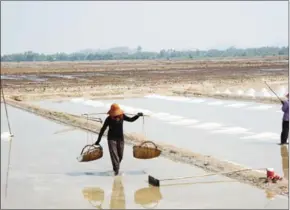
(34, 78)
(44, 77)
(242, 132)
(44, 173)
(10, 77)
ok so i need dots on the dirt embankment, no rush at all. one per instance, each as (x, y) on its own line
(142, 65)
(208, 163)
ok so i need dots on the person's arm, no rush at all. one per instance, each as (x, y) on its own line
(105, 125)
(132, 119)
(285, 106)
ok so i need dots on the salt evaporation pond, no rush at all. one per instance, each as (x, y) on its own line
(44, 173)
(242, 132)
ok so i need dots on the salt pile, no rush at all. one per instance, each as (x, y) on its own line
(240, 92)
(265, 93)
(282, 91)
(77, 100)
(251, 92)
(227, 91)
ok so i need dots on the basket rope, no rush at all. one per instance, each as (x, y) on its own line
(143, 125)
(87, 131)
(91, 153)
(89, 134)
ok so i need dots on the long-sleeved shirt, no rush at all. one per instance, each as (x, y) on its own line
(285, 109)
(115, 127)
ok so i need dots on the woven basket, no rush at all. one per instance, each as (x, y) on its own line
(90, 153)
(143, 151)
(95, 196)
(148, 197)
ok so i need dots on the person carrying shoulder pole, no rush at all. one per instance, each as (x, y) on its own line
(285, 124)
(115, 134)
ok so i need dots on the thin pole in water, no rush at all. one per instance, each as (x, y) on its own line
(7, 117)
(10, 143)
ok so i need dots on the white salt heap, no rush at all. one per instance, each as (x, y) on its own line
(227, 91)
(251, 92)
(240, 92)
(265, 93)
(282, 91)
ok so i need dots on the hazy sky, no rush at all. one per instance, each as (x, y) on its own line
(50, 27)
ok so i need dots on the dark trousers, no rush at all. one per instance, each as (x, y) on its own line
(285, 132)
(116, 149)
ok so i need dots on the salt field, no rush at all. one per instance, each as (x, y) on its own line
(281, 91)
(43, 78)
(44, 173)
(106, 115)
(228, 130)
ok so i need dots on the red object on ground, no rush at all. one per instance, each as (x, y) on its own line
(270, 172)
(272, 176)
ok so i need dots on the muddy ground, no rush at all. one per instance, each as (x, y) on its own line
(35, 80)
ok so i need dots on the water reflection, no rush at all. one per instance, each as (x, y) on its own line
(95, 196)
(270, 194)
(34, 78)
(285, 161)
(118, 200)
(202, 182)
(148, 197)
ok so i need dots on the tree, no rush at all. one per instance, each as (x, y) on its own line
(139, 54)
(139, 49)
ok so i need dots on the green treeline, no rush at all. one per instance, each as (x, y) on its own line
(139, 54)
